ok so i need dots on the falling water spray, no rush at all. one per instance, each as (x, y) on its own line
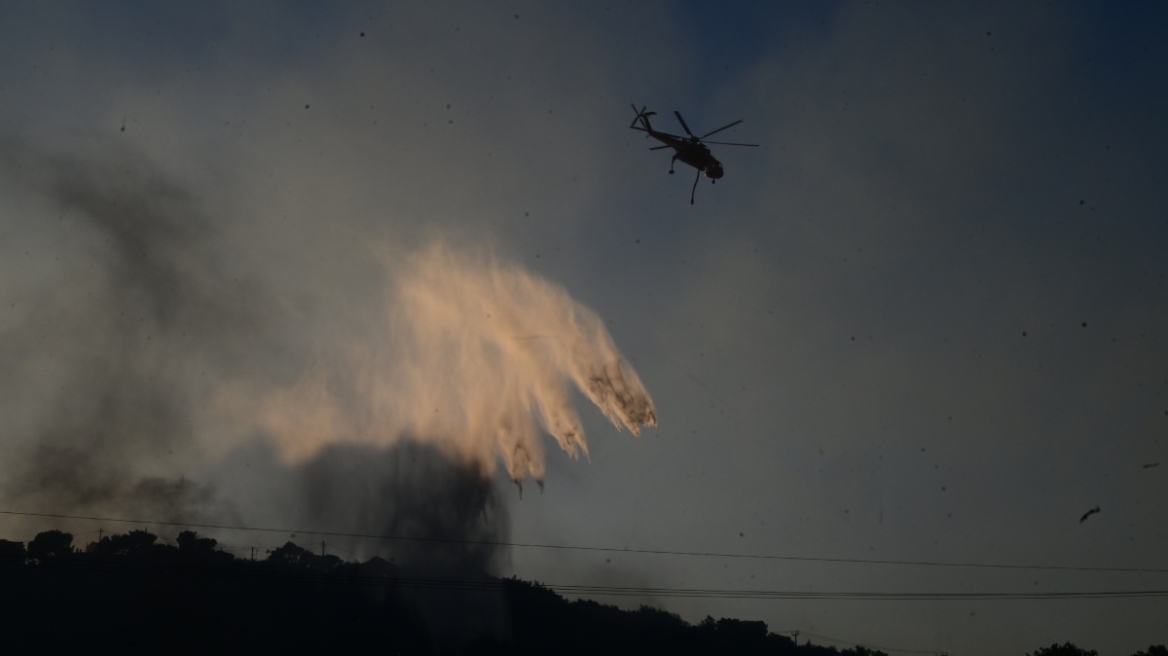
(477, 357)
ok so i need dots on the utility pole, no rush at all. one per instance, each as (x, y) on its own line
(322, 547)
(795, 634)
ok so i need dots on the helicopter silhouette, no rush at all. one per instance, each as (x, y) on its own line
(691, 150)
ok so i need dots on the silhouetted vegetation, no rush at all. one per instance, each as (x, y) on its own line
(12, 553)
(1069, 649)
(1065, 649)
(131, 593)
(49, 545)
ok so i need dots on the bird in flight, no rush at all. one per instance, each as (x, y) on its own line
(1088, 514)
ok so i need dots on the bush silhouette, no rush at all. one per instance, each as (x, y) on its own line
(11, 553)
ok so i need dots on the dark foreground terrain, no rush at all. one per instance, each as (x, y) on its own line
(128, 593)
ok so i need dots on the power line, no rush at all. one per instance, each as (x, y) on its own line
(801, 595)
(562, 547)
(493, 584)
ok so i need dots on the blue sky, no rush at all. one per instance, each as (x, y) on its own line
(866, 341)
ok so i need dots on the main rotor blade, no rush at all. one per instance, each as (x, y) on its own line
(661, 147)
(727, 143)
(678, 115)
(720, 129)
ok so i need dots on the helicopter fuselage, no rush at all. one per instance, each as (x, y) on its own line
(695, 154)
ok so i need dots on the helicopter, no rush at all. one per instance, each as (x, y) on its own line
(691, 150)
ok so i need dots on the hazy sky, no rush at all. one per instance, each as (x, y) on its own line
(926, 320)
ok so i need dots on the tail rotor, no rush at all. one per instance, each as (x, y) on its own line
(642, 117)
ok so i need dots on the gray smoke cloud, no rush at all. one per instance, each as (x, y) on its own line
(113, 328)
(139, 353)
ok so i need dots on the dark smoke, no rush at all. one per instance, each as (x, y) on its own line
(120, 342)
(448, 515)
(410, 491)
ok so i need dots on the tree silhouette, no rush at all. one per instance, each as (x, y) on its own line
(1153, 650)
(190, 542)
(135, 544)
(1065, 649)
(49, 545)
(296, 557)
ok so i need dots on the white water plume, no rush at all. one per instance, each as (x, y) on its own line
(477, 357)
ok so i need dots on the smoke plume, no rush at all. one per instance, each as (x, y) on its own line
(142, 347)
(442, 516)
(119, 320)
